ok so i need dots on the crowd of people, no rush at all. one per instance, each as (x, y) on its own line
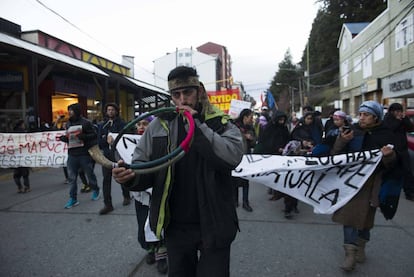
(186, 211)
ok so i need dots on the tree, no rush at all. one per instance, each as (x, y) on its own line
(287, 77)
(323, 39)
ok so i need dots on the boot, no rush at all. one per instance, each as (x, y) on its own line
(107, 209)
(349, 262)
(247, 207)
(360, 253)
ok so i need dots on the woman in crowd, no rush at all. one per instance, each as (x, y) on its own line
(357, 216)
(245, 123)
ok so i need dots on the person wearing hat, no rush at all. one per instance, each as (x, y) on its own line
(400, 125)
(192, 200)
(111, 124)
(80, 136)
(357, 216)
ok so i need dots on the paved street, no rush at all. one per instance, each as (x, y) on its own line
(40, 238)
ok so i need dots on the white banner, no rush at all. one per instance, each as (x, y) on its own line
(326, 183)
(39, 149)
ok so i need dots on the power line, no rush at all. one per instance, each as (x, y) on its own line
(88, 35)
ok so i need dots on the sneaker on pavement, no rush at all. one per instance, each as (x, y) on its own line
(85, 188)
(96, 194)
(71, 203)
(106, 210)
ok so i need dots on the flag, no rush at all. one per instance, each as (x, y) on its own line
(270, 100)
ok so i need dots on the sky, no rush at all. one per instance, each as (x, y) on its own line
(257, 34)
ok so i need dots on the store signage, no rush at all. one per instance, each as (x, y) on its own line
(401, 85)
(74, 86)
(398, 85)
(11, 80)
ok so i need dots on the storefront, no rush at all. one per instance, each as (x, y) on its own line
(399, 88)
(12, 93)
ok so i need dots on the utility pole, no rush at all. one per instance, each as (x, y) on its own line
(308, 73)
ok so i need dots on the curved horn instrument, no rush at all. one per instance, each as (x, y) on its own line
(99, 157)
(155, 165)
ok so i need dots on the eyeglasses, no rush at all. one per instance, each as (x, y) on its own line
(185, 92)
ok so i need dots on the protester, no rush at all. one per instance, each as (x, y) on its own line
(112, 124)
(21, 172)
(316, 126)
(80, 136)
(340, 125)
(292, 121)
(272, 141)
(303, 132)
(245, 123)
(357, 216)
(156, 249)
(400, 125)
(329, 124)
(201, 222)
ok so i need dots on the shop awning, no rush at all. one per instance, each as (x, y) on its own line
(156, 94)
(142, 84)
(12, 41)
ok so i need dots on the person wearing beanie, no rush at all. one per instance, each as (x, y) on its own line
(400, 125)
(143, 124)
(329, 123)
(111, 124)
(80, 136)
(357, 216)
(192, 200)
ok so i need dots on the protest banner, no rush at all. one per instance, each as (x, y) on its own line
(326, 183)
(40, 149)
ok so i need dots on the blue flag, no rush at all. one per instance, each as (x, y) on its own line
(270, 100)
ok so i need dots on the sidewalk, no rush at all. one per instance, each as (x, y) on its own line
(40, 238)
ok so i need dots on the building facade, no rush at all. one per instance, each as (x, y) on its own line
(211, 60)
(40, 75)
(377, 59)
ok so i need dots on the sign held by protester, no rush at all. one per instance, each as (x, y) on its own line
(236, 106)
(40, 149)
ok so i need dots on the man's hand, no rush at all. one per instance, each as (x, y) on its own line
(121, 174)
(387, 150)
(187, 108)
(63, 138)
(347, 135)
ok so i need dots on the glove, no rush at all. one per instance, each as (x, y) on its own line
(63, 138)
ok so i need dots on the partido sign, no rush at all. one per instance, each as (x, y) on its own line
(40, 149)
(326, 183)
